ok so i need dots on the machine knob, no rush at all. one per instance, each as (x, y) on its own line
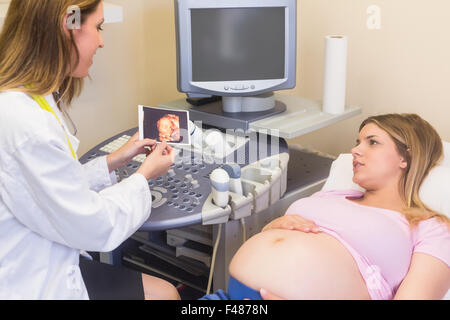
(195, 184)
(171, 173)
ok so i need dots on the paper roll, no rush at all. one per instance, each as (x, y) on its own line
(335, 76)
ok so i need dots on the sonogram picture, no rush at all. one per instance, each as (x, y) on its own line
(162, 125)
(169, 128)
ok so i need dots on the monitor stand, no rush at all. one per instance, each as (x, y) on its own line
(213, 114)
(262, 102)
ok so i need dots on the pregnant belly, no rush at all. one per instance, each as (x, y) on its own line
(297, 265)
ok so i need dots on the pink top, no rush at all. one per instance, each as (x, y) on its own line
(380, 240)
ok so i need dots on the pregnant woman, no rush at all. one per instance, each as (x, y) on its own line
(383, 243)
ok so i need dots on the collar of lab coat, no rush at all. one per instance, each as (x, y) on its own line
(73, 140)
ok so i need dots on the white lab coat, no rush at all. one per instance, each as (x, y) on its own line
(51, 206)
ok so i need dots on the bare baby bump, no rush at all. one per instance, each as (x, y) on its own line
(297, 265)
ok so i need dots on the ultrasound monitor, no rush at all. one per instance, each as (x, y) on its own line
(240, 50)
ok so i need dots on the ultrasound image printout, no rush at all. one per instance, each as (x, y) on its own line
(166, 125)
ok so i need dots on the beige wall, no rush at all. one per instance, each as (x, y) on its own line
(137, 66)
(402, 67)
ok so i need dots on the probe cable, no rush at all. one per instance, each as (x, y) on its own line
(216, 245)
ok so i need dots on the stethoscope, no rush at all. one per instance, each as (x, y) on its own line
(43, 104)
(73, 128)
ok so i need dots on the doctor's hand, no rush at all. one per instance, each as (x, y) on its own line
(293, 222)
(158, 162)
(122, 156)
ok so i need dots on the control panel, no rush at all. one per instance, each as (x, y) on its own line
(183, 197)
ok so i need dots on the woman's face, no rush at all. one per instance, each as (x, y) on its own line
(88, 40)
(376, 161)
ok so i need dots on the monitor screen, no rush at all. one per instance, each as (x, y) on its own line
(235, 48)
(232, 44)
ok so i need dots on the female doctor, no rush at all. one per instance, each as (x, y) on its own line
(51, 206)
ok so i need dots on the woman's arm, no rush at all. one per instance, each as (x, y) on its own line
(427, 278)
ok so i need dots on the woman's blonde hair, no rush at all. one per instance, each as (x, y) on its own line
(420, 145)
(34, 49)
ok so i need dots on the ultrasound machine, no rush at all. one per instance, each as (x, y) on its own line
(239, 172)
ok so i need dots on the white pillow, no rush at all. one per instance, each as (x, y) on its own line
(341, 174)
(446, 161)
(435, 190)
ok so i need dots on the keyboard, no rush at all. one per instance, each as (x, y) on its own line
(178, 197)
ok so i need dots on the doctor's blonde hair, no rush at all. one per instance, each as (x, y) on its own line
(420, 145)
(34, 49)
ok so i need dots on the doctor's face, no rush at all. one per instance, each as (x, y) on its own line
(88, 40)
(376, 161)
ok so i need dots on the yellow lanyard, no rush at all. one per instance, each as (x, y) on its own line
(45, 106)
